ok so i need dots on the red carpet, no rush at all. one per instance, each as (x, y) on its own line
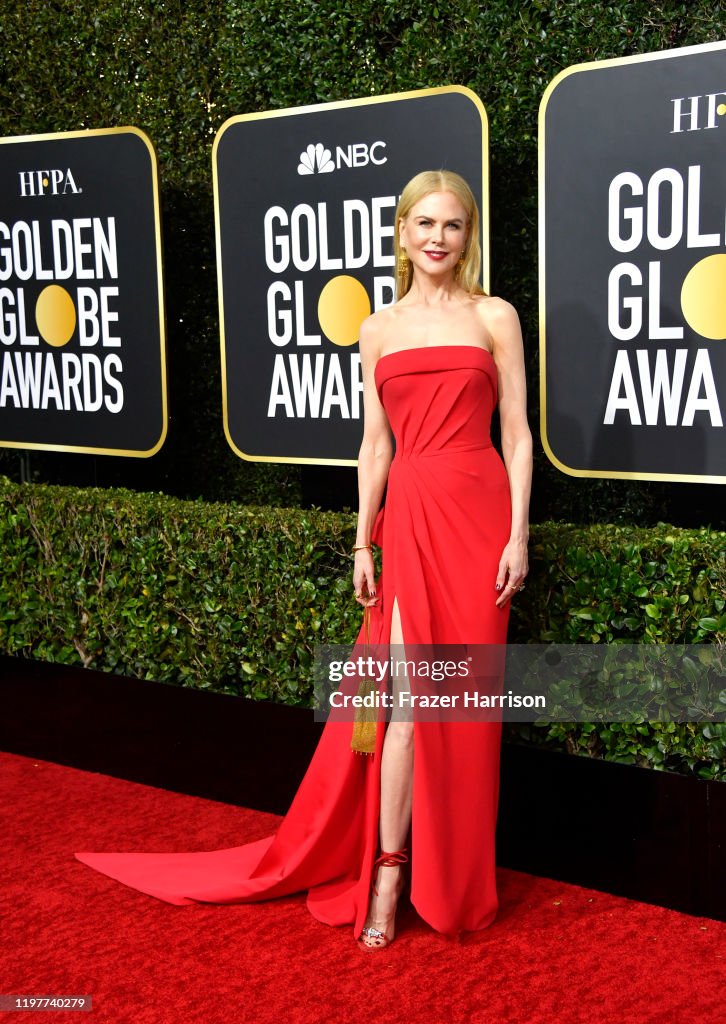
(555, 953)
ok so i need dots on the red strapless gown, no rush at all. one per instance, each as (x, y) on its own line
(445, 523)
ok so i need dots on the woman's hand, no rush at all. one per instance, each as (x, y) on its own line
(513, 568)
(364, 578)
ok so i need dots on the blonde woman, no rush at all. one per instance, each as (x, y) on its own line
(454, 539)
(453, 533)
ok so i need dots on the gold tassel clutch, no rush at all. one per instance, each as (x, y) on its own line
(363, 740)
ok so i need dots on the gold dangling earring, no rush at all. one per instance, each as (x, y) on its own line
(403, 262)
(460, 263)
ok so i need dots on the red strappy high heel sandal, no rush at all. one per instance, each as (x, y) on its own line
(379, 939)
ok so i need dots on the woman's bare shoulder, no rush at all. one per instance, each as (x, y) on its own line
(494, 310)
(501, 321)
(373, 330)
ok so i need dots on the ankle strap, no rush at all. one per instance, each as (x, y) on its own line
(390, 860)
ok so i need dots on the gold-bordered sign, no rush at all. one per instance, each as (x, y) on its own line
(82, 331)
(631, 234)
(304, 204)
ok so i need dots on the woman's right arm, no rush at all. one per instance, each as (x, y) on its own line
(374, 460)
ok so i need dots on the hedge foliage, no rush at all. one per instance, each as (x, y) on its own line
(180, 69)
(234, 599)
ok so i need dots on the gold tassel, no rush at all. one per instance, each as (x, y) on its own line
(363, 739)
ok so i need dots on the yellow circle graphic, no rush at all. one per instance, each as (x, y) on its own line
(721, 108)
(55, 315)
(703, 297)
(342, 307)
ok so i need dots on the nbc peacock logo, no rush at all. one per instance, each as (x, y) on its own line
(316, 159)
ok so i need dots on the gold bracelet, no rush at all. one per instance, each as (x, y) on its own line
(362, 547)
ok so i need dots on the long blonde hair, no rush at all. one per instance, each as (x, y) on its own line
(422, 185)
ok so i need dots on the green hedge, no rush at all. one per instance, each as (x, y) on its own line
(194, 593)
(179, 70)
(234, 599)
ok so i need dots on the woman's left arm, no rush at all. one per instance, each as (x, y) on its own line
(508, 349)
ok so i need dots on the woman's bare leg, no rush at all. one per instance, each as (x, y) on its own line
(396, 794)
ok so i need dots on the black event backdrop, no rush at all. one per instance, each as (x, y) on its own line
(305, 216)
(82, 361)
(178, 72)
(633, 200)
